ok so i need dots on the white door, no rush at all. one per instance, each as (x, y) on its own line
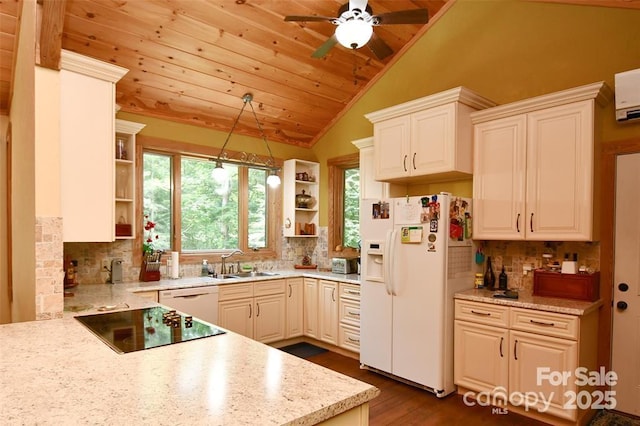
(626, 286)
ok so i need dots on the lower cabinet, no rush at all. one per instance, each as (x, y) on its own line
(295, 308)
(255, 310)
(311, 308)
(328, 311)
(514, 355)
(349, 317)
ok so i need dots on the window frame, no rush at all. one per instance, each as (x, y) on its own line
(336, 167)
(176, 150)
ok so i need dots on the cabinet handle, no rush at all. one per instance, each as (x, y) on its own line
(531, 222)
(290, 290)
(404, 163)
(353, 340)
(333, 294)
(414, 161)
(501, 340)
(357, 293)
(518, 223)
(546, 324)
(487, 314)
(355, 314)
(250, 313)
(257, 309)
(515, 350)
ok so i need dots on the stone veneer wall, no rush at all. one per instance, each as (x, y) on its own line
(90, 256)
(515, 254)
(49, 268)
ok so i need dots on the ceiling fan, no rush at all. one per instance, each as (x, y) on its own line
(355, 22)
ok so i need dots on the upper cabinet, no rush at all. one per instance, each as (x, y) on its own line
(87, 148)
(535, 167)
(300, 198)
(125, 169)
(427, 139)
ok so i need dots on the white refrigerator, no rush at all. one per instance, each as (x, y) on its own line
(416, 253)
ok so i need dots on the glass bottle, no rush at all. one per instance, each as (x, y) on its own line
(502, 280)
(489, 276)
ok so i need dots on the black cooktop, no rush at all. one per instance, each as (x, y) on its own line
(139, 329)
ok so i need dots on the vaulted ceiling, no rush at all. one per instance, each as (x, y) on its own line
(191, 61)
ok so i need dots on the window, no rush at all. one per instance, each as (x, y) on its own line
(344, 204)
(195, 215)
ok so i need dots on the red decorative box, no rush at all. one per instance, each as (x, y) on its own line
(567, 286)
(123, 230)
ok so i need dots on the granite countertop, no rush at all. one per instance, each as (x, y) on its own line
(58, 372)
(529, 301)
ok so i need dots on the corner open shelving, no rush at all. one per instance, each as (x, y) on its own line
(299, 176)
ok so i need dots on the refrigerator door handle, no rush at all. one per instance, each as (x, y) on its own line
(392, 262)
(386, 259)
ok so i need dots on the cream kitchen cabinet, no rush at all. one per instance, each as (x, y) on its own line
(87, 148)
(349, 317)
(426, 139)
(254, 309)
(535, 167)
(295, 308)
(300, 177)
(328, 311)
(311, 308)
(499, 350)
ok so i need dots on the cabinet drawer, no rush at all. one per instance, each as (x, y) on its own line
(235, 291)
(350, 291)
(350, 312)
(547, 323)
(349, 337)
(482, 313)
(263, 288)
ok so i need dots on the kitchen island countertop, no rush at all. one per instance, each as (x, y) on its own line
(58, 372)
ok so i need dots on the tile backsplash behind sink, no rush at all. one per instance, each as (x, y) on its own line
(514, 255)
(90, 256)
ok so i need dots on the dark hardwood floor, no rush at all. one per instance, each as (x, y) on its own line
(401, 404)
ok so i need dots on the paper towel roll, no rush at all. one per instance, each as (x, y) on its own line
(175, 265)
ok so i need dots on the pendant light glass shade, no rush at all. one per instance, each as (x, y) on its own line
(273, 180)
(354, 34)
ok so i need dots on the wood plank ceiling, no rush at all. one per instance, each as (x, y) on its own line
(191, 61)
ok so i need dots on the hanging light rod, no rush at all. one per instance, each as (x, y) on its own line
(245, 159)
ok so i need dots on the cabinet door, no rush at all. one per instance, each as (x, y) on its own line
(269, 318)
(481, 358)
(499, 179)
(560, 166)
(311, 307)
(295, 299)
(528, 353)
(328, 310)
(392, 148)
(87, 150)
(433, 141)
(237, 315)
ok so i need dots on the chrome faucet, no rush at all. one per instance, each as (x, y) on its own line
(224, 257)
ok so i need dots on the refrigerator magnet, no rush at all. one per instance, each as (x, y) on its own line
(431, 244)
(411, 234)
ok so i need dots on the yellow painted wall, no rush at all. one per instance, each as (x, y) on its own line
(506, 51)
(5, 306)
(23, 167)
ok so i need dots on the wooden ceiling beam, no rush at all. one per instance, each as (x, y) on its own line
(51, 26)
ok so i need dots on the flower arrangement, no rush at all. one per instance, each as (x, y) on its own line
(147, 245)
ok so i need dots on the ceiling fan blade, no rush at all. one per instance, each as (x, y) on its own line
(308, 18)
(358, 4)
(325, 48)
(379, 47)
(414, 16)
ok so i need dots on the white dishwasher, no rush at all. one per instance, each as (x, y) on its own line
(200, 302)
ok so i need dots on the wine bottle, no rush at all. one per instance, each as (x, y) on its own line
(489, 276)
(502, 280)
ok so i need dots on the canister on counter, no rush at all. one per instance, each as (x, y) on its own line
(479, 280)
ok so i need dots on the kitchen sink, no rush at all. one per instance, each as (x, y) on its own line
(248, 275)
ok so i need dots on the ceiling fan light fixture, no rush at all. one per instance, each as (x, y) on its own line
(354, 34)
